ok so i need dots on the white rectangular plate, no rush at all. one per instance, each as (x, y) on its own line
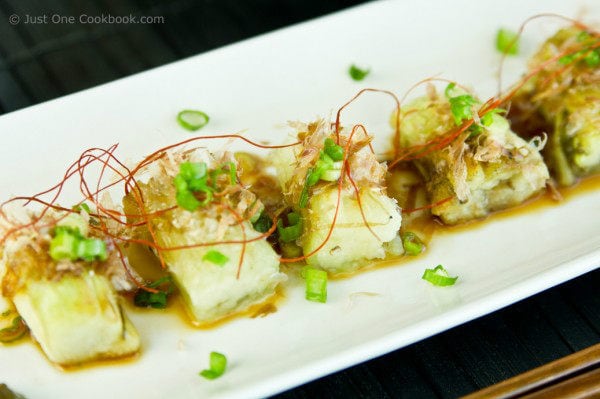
(257, 85)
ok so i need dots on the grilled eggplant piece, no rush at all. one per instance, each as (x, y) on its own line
(565, 96)
(351, 244)
(478, 172)
(211, 288)
(70, 306)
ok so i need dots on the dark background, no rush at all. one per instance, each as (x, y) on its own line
(45, 61)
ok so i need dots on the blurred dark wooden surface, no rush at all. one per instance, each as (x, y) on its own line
(45, 61)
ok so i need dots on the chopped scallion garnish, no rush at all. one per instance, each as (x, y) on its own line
(316, 284)
(462, 107)
(232, 173)
(192, 171)
(263, 223)
(438, 277)
(156, 300)
(215, 257)
(217, 366)
(192, 119)
(187, 200)
(592, 58)
(294, 229)
(567, 59)
(412, 244)
(63, 246)
(69, 244)
(583, 36)
(357, 73)
(507, 42)
(90, 249)
(193, 178)
(334, 151)
(328, 167)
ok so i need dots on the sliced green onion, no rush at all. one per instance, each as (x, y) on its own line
(357, 73)
(187, 200)
(263, 223)
(232, 173)
(180, 183)
(412, 244)
(218, 364)
(462, 108)
(448, 92)
(192, 120)
(193, 178)
(15, 331)
(438, 277)
(200, 186)
(291, 232)
(592, 58)
(327, 168)
(334, 151)
(69, 243)
(325, 162)
(90, 249)
(215, 257)
(507, 42)
(192, 170)
(316, 284)
(487, 119)
(147, 299)
(461, 105)
(312, 177)
(583, 36)
(163, 280)
(156, 300)
(63, 246)
(567, 59)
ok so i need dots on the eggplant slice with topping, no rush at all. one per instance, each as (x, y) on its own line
(309, 175)
(485, 168)
(563, 96)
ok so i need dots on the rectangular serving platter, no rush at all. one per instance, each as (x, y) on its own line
(254, 87)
